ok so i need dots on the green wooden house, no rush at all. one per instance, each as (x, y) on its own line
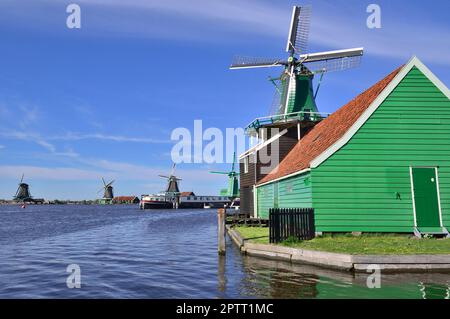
(381, 163)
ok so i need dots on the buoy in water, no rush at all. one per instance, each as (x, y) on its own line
(24, 206)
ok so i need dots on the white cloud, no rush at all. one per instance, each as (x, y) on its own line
(141, 172)
(44, 141)
(130, 179)
(29, 115)
(106, 169)
(231, 20)
(188, 20)
(99, 136)
(49, 173)
(30, 137)
(396, 39)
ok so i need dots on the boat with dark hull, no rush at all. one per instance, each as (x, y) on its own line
(173, 198)
(189, 200)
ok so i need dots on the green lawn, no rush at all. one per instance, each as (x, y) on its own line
(367, 244)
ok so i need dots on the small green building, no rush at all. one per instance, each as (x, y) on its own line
(381, 163)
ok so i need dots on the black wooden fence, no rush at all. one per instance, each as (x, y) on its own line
(287, 223)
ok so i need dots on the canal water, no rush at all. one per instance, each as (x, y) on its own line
(123, 252)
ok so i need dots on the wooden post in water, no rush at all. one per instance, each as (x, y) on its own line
(221, 216)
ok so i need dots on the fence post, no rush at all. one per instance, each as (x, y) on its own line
(221, 216)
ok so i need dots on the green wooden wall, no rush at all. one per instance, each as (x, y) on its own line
(292, 192)
(264, 200)
(356, 188)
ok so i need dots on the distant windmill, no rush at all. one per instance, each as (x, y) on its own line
(108, 193)
(233, 185)
(23, 191)
(172, 182)
(294, 95)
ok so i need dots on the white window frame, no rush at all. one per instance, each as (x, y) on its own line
(246, 160)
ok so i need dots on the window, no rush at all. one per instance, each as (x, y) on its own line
(246, 165)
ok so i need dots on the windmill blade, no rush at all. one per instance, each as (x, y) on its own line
(245, 62)
(214, 172)
(163, 176)
(299, 29)
(173, 169)
(334, 64)
(17, 192)
(277, 104)
(234, 161)
(333, 60)
(21, 180)
(110, 183)
(104, 183)
(330, 55)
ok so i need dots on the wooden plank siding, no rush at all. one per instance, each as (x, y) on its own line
(294, 192)
(356, 188)
(248, 180)
(265, 200)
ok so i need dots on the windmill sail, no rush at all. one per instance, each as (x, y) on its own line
(108, 190)
(233, 184)
(334, 64)
(330, 55)
(246, 62)
(333, 60)
(299, 30)
(172, 187)
(294, 98)
(23, 191)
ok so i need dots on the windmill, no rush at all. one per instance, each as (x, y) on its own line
(233, 184)
(172, 188)
(108, 193)
(23, 191)
(294, 95)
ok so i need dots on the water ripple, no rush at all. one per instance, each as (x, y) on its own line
(127, 253)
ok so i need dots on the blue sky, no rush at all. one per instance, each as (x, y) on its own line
(103, 100)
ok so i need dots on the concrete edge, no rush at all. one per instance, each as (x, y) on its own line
(405, 267)
(235, 236)
(347, 262)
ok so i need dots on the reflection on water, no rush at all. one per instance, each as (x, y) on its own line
(127, 253)
(285, 280)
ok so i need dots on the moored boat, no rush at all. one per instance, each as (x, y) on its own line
(183, 200)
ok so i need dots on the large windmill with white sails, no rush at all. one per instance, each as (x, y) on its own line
(294, 93)
(294, 110)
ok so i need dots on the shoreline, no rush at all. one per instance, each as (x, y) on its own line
(341, 261)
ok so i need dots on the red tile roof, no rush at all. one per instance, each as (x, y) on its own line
(327, 132)
(187, 194)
